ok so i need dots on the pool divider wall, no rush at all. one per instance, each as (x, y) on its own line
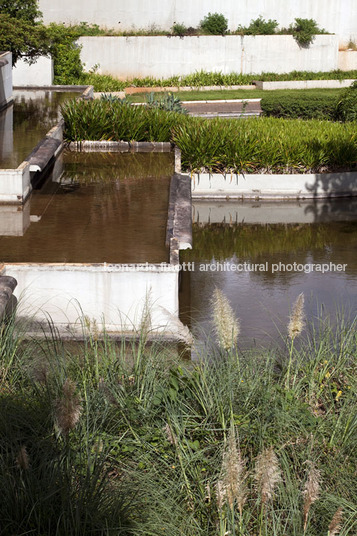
(16, 184)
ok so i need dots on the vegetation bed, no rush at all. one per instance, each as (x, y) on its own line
(108, 439)
(254, 145)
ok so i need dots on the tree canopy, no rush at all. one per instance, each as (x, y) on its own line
(23, 38)
(21, 9)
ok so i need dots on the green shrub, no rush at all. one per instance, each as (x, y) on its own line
(214, 24)
(259, 26)
(346, 108)
(305, 30)
(179, 29)
(300, 104)
(26, 10)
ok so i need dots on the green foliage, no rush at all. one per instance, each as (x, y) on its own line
(300, 104)
(23, 38)
(214, 24)
(259, 26)
(26, 10)
(179, 29)
(304, 31)
(146, 453)
(220, 145)
(169, 102)
(346, 108)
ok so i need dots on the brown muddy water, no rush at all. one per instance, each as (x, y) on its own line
(263, 291)
(104, 208)
(26, 122)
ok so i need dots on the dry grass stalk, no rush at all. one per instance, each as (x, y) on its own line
(232, 486)
(68, 408)
(267, 474)
(22, 459)
(297, 322)
(171, 437)
(336, 523)
(311, 492)
(225, 322)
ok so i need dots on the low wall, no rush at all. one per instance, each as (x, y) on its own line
(264, 186)
(165, 56)
(5, 79)
(347, 60)
(15, 184)
(335, 16)
(305, 84)
(114, 295)
(39, 73)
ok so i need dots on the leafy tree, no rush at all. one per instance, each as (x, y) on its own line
(23, 38)
(21, 9)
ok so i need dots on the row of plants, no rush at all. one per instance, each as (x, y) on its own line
(126, 439)
(220, 145)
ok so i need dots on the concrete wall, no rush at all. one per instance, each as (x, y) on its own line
(161, 56)
(335, 16)
(347, 60)
(5, 79)
(15, 184)
(265, 186)
(6, 132)
(100, 292)
(39, 73)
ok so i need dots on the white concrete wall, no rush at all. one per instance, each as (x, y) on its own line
(347, 60)
(6, 132)
(266, 186)
(103, 293)
(39, 73)
(335, 16)
(14, 219)
(15, 184)
(5, 79)
(162, 57)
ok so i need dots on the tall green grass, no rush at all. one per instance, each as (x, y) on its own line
(146, 450)
(220, 145)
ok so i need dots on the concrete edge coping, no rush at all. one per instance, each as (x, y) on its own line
(220, 101)
(54, 88)
(258, 194)
(121, 146)
(92, 267)
(175, 89)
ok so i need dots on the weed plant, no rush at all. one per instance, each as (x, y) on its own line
(124, 439)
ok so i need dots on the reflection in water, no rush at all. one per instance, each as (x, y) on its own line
(26, 122)
(261, 297)
(105, 208)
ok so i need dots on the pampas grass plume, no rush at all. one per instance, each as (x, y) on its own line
(267, 474)
(225, 322)
(311, 491)
(297, 322)
(336, 522)
(68, 408)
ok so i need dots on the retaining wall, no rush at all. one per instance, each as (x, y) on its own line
(114, 295)
(39, 73)
(162, 56)
(5, 79)
(347, 60)
(266, 186)
(336, 16)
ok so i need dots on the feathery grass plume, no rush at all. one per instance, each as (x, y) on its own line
(311, 491)
(170, 435)
(336, 522)
(22, 459)
(296, 322)
(68, 408)
(267, 474)
(232, 485)
(225, 322)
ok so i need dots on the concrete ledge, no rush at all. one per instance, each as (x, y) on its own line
(134, 90)
(304, 186)
(15, 184)
(179, 222)
(121, 146)
(304, 84)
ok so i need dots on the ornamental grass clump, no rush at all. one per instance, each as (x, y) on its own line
(68, 408)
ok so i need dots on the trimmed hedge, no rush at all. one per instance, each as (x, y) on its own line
(300, 105)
